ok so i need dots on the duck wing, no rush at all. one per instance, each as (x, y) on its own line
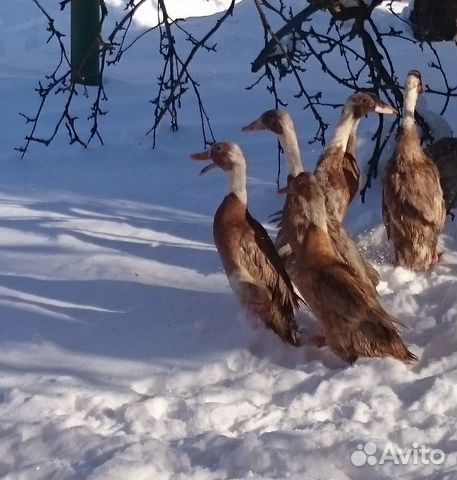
(351, 172)
(347, 251)
(418, 198)
(359, 325)
(260, 252)
(258, 257)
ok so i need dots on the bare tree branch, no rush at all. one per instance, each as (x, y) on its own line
(357, 59)
(179, 75)
(373, 69)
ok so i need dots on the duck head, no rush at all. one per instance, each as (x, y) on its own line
(225, 155)
(363, 103)
(281, 124)
(414, 82)
(277, 121)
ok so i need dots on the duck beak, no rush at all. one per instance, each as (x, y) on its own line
(385, 108)
(207, 168)
(417, 74)
(205, 155)
(255, 125)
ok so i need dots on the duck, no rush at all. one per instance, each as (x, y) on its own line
(253, 267)
(413, 206)
(444, 153)
(281, 124)
(336, 169)
(351, 317)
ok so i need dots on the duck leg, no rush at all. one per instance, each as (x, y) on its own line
(318, 341)
(437, 258)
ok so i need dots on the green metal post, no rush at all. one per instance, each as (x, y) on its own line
(85, 30)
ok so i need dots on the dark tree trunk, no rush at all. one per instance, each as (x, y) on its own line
(434, 20)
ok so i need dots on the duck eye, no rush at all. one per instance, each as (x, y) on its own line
(218, 148)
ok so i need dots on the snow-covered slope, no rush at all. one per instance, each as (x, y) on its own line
(123, 354)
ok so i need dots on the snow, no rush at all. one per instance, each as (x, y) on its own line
(123, 354)
(147, 13)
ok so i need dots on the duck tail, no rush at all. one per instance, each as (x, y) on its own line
(404, 355)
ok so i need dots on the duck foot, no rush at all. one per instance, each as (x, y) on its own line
(437, 258)
(318, 341)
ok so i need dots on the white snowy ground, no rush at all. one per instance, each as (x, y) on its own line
(122, 351)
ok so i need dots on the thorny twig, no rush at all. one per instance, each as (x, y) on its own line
(322, 126)
(363, 51)
(61, 81)
(175, 75)
(367, 63)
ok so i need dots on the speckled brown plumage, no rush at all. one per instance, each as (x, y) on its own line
(350, 314)
(252, 265)
(280, 123)
(244, 246)
(338, 183)
(343, 247)
(337, 170)
(413, 205)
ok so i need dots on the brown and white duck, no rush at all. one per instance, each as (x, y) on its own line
(352, 319)
(444, 153)
(413, 205)
(253, 267)
(280, 123)
(337, 170)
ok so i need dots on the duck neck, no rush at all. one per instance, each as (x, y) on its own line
(318, 215)
(289, 144)
(352, 140)
(237, 183)
(315, 212)
(409, 107)
(343, 130)
(316, 242)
